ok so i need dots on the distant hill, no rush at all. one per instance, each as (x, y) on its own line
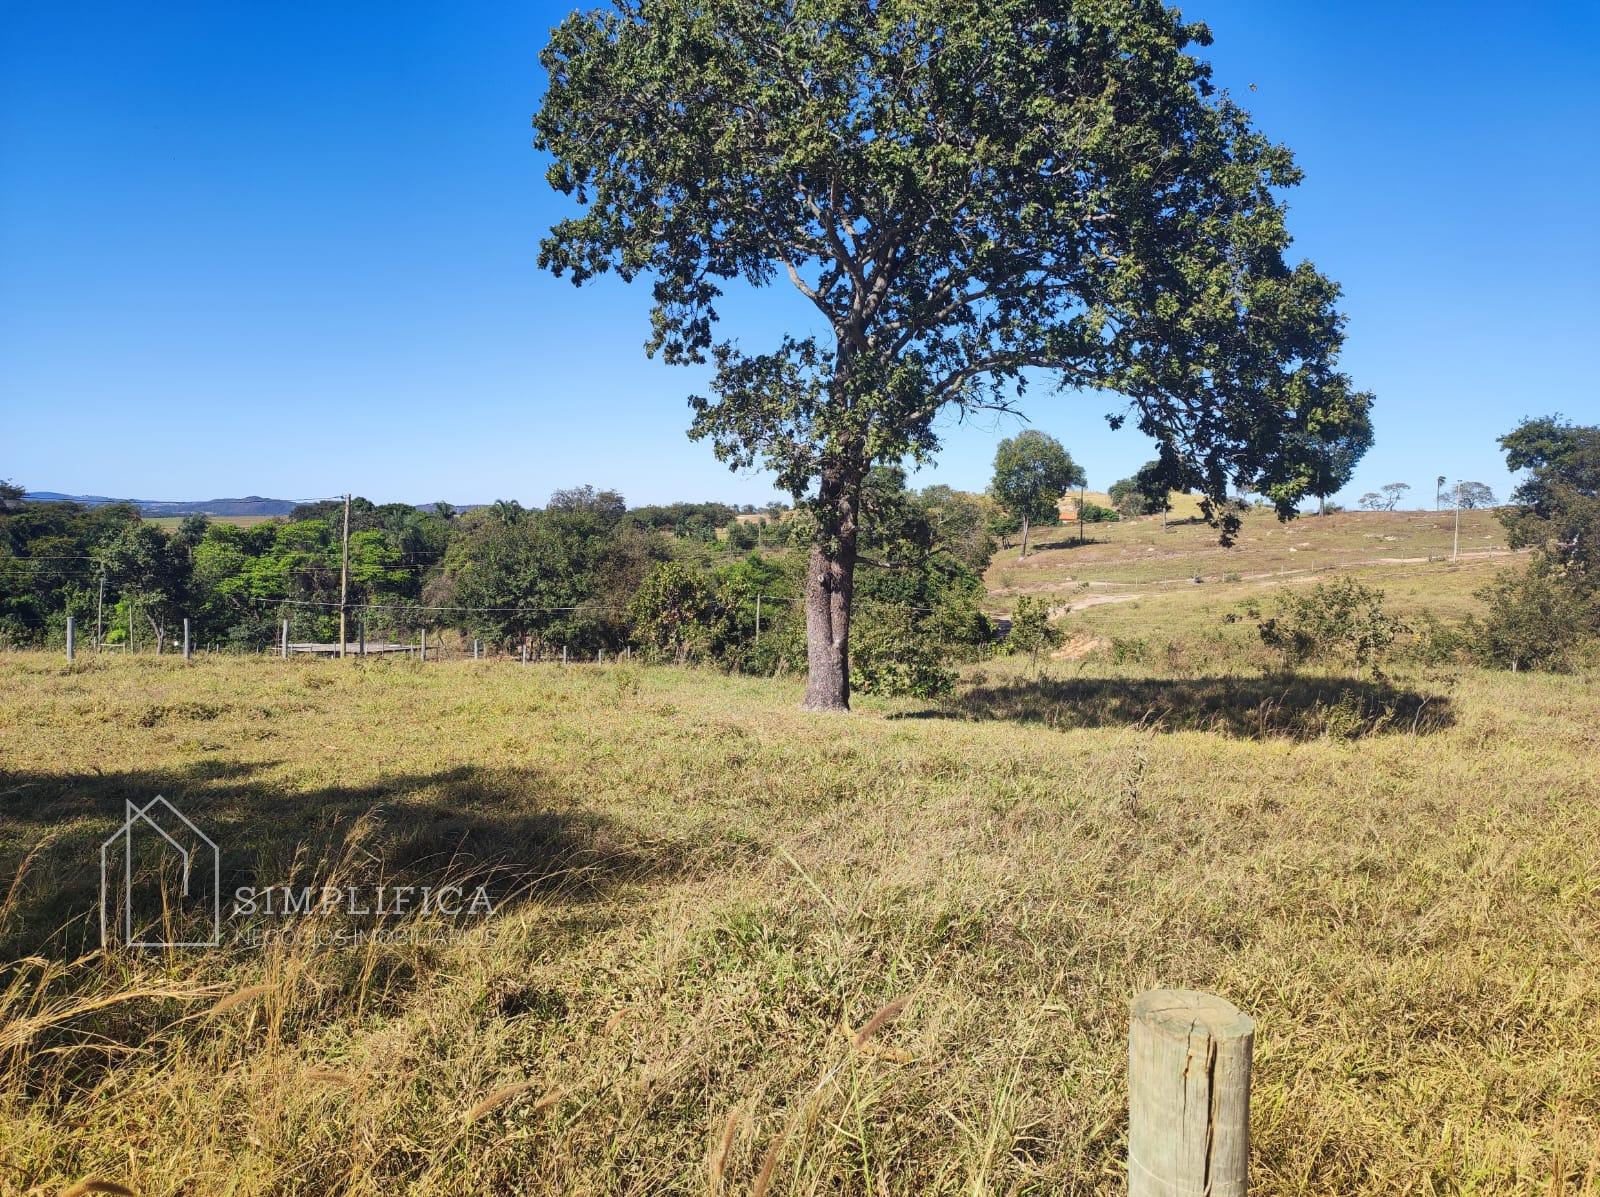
(249, 505)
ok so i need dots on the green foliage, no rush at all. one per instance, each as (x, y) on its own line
(1337, 435)
(1147, 492)
(688, 521)
(840, 152)
(1556, 508)
(1471, 495)
(1533, 621)
(959, 524)
(1031, 629)
(953, 242)
(676, 615)
(740, 536)
(1031, 472)
(561, 576)
(153, 572)
(1339, 621)
(1093, 513)
(892, 654)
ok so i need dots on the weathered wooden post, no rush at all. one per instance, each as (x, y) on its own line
(1188, 1095)
(361, 638)
(524, 652)
(422, 646)
(72, 637)
(284, 652)
(563, 654)
(188, 650)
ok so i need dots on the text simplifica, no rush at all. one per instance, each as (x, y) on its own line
(377, 900)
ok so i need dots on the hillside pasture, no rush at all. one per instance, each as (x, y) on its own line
(704, 895)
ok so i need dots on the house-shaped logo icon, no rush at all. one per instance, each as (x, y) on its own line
(160, 881)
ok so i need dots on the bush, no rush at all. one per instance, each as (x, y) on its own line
(675, 613)
(1093, 513)
(891, 655)
(1533, 622)
(1340, 621)
(1129, 650)
(1434, 642)
(1031, 629)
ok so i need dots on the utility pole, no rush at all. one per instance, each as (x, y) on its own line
(99, 608)
(1455, 548)
(344, 571)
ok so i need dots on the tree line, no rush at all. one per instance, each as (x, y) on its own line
(680, 582)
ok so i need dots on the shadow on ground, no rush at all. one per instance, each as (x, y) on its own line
(508, 829)
(1284, 706)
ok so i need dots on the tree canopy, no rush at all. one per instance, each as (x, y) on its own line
(966, 193)
(1031, 472)
(1556, 507)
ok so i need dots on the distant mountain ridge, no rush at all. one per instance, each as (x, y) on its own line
(249, 505)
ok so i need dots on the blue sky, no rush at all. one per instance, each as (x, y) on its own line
(288, 249)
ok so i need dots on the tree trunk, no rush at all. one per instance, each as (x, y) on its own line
(1024, 552)
(1322, 504)
(830, 578)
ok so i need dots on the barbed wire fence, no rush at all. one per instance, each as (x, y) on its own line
(399, 618)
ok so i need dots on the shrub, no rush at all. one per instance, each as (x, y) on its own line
(1031, 629)
(1093, 513)
(1533, 622)
(1129, 650)
(675, 613)
(890, 654)
(1339, 621)
(1434, 642)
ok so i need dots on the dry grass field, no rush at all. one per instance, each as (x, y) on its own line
(169, 522)
(741, 949)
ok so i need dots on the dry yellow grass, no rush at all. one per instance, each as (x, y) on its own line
(708, 892)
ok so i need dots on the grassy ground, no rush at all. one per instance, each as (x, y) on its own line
(706, 896)
(1141, 553)
(171, 522)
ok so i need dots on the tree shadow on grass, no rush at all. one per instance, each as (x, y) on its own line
(1285, 706)
(1060, 537)
(510, 830)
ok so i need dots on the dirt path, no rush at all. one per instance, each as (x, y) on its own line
(1299, 574)
(1258, 576)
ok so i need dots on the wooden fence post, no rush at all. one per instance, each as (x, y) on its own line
(72, 637)
(284, 651)
(423, 646)
(188, 650)
(524, 652)
(361, 638)
(1188, 1095)
(563, 654)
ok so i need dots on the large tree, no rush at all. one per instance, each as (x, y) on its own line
(971, 194)
(1555, 509)
(1031, 472)
(1337, 437)
(1469, 495)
